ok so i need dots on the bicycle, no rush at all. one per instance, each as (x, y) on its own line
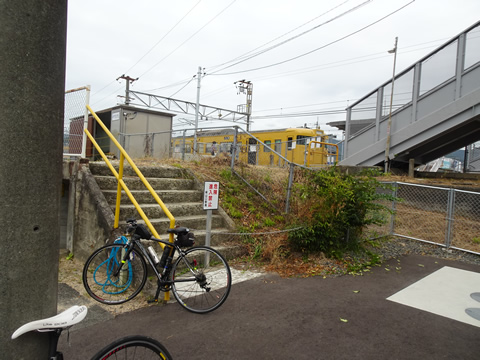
(199, 278)
(131, 347)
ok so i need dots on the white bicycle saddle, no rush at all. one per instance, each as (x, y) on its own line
(69, 317)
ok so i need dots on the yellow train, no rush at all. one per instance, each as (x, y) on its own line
(301, 146)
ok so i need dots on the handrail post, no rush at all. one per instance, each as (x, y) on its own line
(184, 146)
(119, 191)
(234, 148)
(289, 189)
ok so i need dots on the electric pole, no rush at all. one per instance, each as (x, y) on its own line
(128, 81)
(389, 124)
(245, 87)
(199, 78)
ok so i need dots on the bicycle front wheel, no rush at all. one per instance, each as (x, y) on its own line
(134, 348)
(110, 281)
(201, 279)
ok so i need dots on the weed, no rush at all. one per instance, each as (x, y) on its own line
(268, 222)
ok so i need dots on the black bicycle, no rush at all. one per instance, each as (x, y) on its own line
(199, 277)
(131, 347)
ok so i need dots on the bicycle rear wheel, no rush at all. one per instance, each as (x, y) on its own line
(135, 347)
(103, 280)
(201, 279)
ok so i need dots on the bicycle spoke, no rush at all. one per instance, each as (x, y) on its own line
(209, 280)
(110, 281)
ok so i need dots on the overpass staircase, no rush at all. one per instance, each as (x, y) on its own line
(434, 110)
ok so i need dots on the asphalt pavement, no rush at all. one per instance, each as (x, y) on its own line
(346, 317)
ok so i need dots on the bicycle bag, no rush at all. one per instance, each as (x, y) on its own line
(185, 239)
(143, 232)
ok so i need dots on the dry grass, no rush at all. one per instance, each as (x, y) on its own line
(272, 250)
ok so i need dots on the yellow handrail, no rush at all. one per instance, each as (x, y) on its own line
(121, 183)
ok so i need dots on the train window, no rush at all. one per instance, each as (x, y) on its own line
(268, 146)
(208, 148)
(302, 139)
(226, 147)
(201, 148)
(278, 145)
(289, 143)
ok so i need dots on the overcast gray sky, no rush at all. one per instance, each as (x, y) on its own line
(302, 56)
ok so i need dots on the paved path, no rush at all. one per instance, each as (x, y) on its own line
(269, 317)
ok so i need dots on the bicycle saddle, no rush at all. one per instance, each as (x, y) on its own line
(69, 317)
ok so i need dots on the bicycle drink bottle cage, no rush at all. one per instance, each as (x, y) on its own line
(69, 317)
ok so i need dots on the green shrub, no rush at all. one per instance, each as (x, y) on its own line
(333, 209)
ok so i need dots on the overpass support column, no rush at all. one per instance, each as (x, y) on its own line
(32, 90)
(411, 168)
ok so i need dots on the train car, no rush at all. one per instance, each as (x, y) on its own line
(301, 146)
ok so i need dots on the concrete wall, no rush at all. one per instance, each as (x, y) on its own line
(90, 218)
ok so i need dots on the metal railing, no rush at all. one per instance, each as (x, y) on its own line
(75, 120)
(121, 184)
(443, 216)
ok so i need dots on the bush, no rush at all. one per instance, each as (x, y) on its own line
(333, 209)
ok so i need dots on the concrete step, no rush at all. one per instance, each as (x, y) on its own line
(196, 223)
(157, 171)
(145, 197)
(154, 211)
(134, 183)
(216, 238)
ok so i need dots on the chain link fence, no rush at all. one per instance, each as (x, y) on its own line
(443, 216)
(74, 121)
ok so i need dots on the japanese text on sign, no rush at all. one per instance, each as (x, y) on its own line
(210, 195)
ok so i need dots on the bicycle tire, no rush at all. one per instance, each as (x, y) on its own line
(99, 280)
(201, 286)
(135, 347)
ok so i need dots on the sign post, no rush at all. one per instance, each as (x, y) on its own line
(210, 202)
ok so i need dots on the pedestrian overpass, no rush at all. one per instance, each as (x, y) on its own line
(434, 110)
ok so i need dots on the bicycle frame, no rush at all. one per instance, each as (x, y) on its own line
(163, 278)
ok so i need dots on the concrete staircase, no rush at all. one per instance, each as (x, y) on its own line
(179, 191)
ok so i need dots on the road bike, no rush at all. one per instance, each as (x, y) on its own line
(199, 277)
(136, 347)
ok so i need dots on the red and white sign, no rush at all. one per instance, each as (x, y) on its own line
(210, 195)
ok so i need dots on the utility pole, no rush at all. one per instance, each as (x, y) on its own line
(389, 126)
(199, 78)
(128, 81)
(245, 87)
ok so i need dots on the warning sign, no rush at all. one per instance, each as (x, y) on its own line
(210, 195)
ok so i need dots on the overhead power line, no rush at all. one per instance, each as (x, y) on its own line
(314, 50)
(296, 36)
(164, 36)
(279, 37)
(189, 38)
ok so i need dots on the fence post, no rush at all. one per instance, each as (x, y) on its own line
(234, 148)
(394, 203)
(450, 215)
(289, 188)
(152, 149)
(184, 145)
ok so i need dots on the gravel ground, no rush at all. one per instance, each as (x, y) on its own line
(396, 247)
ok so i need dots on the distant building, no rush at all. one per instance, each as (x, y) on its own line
(141, 132)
